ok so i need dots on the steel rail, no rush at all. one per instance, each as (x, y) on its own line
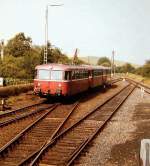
(51, 142)
(100, 128)
(29, 158)
(116, 80)
(18, 136)
(22, 116)
(19, 110)
(139, 83)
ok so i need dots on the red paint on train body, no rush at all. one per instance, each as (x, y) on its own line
(67, 80)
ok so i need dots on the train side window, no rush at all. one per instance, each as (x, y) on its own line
(95, 72)
(67, 75)
(101, 72)
(104, 72)
(90, 73)
(81, 74)
(73, 75)
(77, 74)
(86, 74)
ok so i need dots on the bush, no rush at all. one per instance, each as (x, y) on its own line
(14, 90)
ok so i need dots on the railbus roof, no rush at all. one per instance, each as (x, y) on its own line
(54, 66)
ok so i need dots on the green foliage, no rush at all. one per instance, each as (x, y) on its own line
(77, 61)
(20, 57)
(18, 46)
(126, 68)
(146, 69)
(104, 61)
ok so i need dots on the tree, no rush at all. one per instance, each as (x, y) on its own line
(146, 69)
(21, 58)
(18, 46)
(9, 67)
(128, 68)
(104, 61)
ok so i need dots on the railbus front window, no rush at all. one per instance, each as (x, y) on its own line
(44, 74)
(56, 75)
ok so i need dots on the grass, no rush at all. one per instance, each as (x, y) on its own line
(139, 78)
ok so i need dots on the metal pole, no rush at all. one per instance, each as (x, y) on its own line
(2, 49)
(113, 62)
(111, 66)
(46, 35)
(46, 31)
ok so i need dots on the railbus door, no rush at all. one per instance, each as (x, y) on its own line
(90, 78)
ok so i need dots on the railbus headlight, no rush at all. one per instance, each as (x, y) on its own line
(59, 85)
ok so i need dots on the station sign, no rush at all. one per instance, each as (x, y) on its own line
(1, 81)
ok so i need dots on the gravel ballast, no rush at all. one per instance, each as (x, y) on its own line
(119, 143)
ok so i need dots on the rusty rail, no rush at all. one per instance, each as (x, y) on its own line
(54, 140)
(139, 84)
(22, 116)
(29, 158)
(6, 113)
(18, 136)
(100, 128)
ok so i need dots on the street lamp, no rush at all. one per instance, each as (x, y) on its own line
(46, 30)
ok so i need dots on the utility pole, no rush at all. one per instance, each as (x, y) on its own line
(46, 31)
(88, 60)
(46, 35)
(75, 57)
(112, 63)
(2, 49)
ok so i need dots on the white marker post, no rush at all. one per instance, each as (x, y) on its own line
(145, 152)
(142, 91)
(1, 81)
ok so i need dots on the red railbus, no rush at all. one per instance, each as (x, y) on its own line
(68, 80)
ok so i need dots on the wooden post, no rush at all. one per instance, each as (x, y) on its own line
(3, 104)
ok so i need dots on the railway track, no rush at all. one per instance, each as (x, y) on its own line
(66, 146)
(10, 127)
(139, 84)
(35, 136)
(113, 81)
(7, 118)
(13, 113)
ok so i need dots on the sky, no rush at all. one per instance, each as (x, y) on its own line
(95, 27)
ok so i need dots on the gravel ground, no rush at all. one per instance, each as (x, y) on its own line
(119, 143)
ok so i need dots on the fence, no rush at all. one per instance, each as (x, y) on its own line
(12, 81)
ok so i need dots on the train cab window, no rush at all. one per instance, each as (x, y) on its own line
(67, 75)
(56, 75)
(43, 74)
